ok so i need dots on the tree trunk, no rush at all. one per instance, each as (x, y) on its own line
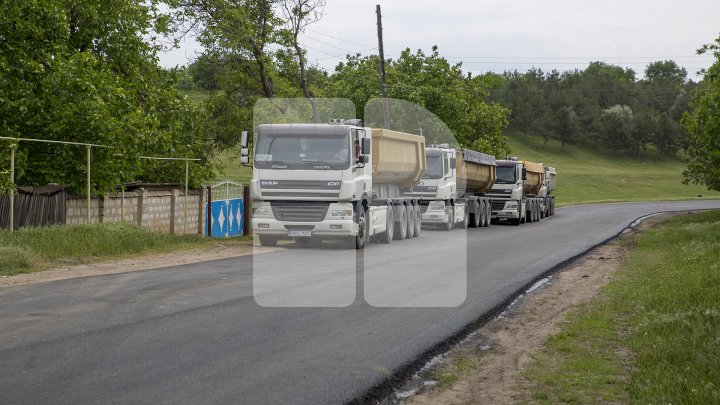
(303, 82)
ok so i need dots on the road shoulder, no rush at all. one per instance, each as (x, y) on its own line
(488, 366)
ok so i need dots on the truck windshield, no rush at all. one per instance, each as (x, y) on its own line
(505, 175)
(303, 152)
(434, 167)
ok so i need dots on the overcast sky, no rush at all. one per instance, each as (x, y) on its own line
(518, 34)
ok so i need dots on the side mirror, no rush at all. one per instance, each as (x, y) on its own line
(244, 139)
(453, 163)
(366, 146)
(524, 173)
(244, 156)
(363, 159)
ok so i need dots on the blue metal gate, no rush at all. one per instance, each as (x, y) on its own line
(226, 213)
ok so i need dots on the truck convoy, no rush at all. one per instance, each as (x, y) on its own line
(342, 180)
(338, 180)
(452, 190)
(523, 191)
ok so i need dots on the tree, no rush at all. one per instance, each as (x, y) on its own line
(703, 126)
(87, 72)
(431, 82)
(299, 14)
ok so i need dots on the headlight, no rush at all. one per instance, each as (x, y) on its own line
(511, 205)
(437, 206)
(341, 213)
(261, 212)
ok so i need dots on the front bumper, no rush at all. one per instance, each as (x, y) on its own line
(506, 214)
(328, 227)
(435, 217)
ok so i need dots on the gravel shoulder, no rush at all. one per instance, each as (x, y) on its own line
(487, 367)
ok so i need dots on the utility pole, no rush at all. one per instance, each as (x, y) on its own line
(383, 82)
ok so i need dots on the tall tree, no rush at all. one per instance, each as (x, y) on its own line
(87, 72)
(299, 14)
(703, 126)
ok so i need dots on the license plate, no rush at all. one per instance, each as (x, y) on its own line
(298, 233)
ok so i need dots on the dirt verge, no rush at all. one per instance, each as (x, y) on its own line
(486, 367)
(148, 262)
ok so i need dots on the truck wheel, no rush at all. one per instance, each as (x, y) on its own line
(488, 213)
(401, 224)
(543, 211)
(358, 241)
(476, 219)
(418, 221)
(521, 219)
(267, 240)
(410, 221)
(387, 236)
(449, 225)
(466, 219)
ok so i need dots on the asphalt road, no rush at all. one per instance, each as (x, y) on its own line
(196, 334)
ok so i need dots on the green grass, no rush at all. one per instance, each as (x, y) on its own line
(33, 249)
(654, 336)
(233, 169)
(586, 175)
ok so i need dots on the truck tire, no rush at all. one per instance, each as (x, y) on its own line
(410, 221)
(418, 220)
(358, 241)
(267, 240)
(401, 224)
(449, 225)
(519, 219)
(466, 219)
(488, 213)
(387, 236)
(476, 219)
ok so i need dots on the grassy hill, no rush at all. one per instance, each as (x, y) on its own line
(588, 176)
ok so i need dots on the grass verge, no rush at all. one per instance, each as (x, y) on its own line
(34, 249)
(587, 175)
(653, 336)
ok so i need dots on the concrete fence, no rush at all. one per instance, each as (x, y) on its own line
(158, 211)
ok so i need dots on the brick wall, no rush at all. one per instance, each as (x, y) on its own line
(159, 211)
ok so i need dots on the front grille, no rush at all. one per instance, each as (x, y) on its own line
(497, 205)
(310, 211)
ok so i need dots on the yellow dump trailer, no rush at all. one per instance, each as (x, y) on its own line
(397, 157)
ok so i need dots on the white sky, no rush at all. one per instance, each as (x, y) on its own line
(517, 34)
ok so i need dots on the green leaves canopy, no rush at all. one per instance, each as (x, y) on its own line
(703, 127)
(83, 71)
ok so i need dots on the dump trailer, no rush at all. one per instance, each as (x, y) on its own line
(335, 181)
(453, 190)
(522, 191)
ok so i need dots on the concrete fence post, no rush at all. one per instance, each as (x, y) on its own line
(173, 211)
(140, 206)
(201, 206)
(103, 203)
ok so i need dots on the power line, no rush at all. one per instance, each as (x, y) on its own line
(339, 39)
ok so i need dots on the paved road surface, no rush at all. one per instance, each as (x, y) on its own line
(195, 334)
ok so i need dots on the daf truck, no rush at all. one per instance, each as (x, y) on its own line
(338, 180)
(522, 191)
(452, 190)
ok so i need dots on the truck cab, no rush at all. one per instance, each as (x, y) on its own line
(315, 182)
(507, 192)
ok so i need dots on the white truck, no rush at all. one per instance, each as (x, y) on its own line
(523, 191)
(334, 181)
(452, 190)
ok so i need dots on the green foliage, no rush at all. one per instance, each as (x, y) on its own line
(652, 338)
(431, 82)
(82, 71)
(577, 106)
(5, 183)
(703, 126)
